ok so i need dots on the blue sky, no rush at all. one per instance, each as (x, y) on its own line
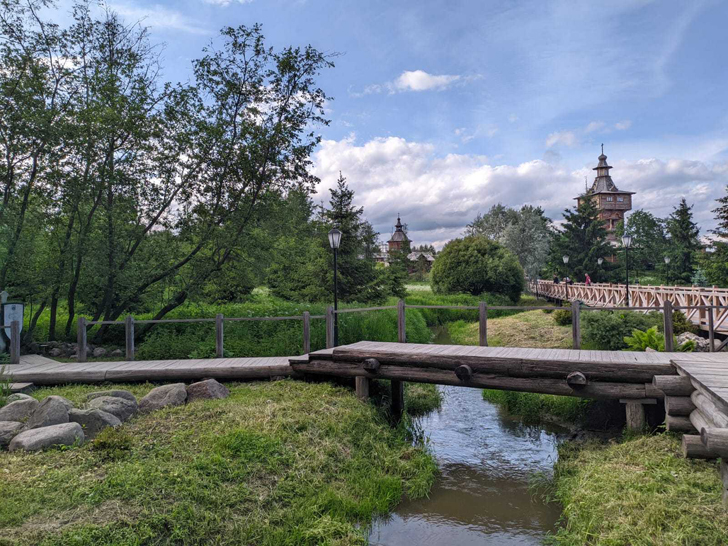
(443, 108)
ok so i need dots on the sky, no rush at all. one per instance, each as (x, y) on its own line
(442, 108)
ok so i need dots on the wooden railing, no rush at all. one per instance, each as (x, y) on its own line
(705, 307)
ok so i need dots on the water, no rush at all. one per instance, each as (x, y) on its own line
(482, 495)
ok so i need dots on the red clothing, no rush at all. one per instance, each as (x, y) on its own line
(588, 280)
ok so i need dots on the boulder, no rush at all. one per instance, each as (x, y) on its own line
(51, 411)
(65, 401)
(99, 352)
(8, 431)
(206, 390)
(118, 407)
(93, 421)
(117, 352)
(19, 410)
(164, 396)
(18, 396)
(55, 352)
(116, 393)
(65, 434)
(702, 345)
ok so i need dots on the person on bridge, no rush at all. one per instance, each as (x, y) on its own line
(587, 279)
(556, 279)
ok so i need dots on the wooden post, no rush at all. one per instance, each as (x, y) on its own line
(81, 339)
(15, 342)
(575, 324)
(329, 327)
(667, 312)
(219, 336)
(483, 323)
(401, 330)
(711, 329)
(635, 416)
(397, 404)
(129, 330)
(362, 388)
(306, 332)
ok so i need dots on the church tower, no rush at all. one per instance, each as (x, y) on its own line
(399, 237)
(611, 202)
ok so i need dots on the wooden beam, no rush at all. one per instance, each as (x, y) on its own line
(715, 440)
(676, 423)
(673, 385)
(715, 416)
(679, 405)
(693, 448)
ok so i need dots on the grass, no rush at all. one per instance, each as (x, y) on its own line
(526, 329)
(639, 491)
(274, 464)
(537, 408)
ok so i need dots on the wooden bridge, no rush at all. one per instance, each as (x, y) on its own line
(705, 307)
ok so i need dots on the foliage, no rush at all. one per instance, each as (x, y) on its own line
(637, 491)
(562, 317)
(699, 278)
(583, 239)
(681, 324)
(606, 330)
(540, 408)
(715, 264)
(436, 317)
(641, 341)
(649, 242)
(476, 265)
(683, 243)
(276, 463)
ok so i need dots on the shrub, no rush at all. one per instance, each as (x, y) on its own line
(606, 330)
(640, 341)
(681, 324)
(113, 443)
(476, 265)
(562, 317)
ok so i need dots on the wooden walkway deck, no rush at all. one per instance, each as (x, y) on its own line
(710, 373)
(44, 371)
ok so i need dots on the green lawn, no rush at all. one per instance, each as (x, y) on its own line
(276, 463)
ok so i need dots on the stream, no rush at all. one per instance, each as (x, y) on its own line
(482, 494)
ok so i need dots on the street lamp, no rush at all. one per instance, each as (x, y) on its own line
(600, 261)
(335, 241)
(667, 269)
(626, 243)
(566, 285)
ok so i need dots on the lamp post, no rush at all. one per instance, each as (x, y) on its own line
(566, 285)
(667, 269)
(335, 241)
(626, 243)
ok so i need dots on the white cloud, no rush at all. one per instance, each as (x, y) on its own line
(623, 125)
(438, 195)
(594, 126)
(159, 17)
(225, 3)
(567, 138)
(416, 80)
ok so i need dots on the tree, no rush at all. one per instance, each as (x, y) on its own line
(493, 223)
(683, 243)
(529, 238)
(649, 240)
(477, 265)
(715, 264)
(583, 239)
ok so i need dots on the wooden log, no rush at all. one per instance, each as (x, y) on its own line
(576, 379)
(713, 413)
(693, 448)
(371, 365)
(678, 405)
(464, 372)
(699, 420)
(397, 404)
(627, 372)
(635, 416)
(599, 389)
(575, 324)
(715, 440)
(719, 402)
(676, 423)
(15, 342)
(673, 385)
(362, 388)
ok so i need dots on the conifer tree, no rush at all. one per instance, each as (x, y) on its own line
(683, 243)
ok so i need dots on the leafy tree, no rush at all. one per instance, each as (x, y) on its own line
(477, 265)
(683, 243)
(583, 239)
(649, 240)
(529, 238)
(493, 223)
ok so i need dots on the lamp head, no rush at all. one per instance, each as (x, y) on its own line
(667, 260)
(600, 261)
(335, 238)
(566, 259)
(626, 241)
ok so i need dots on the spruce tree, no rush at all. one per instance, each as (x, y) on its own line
(683, 243)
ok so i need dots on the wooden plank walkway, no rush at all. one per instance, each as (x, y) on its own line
(45, 371)
(710, 372)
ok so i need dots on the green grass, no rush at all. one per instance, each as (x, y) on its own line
(538, 408)
(279, 463)
(639, 491)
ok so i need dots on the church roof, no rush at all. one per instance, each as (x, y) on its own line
(399, 235)
(603, 183)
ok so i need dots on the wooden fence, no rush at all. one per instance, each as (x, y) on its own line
(219, 320)
(705, 307)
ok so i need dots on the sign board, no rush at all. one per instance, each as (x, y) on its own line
(11, 312)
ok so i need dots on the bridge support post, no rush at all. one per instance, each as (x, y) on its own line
(397, 403)
(576, 324)
(362, 388)
(636, 419)
(667, 312)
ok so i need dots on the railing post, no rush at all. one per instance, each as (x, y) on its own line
(667, 312)
(711, 329)
(219, 336)
(15, 342)
(329, 327)
(483, 323)
(306, 332)
(397, 403)
(129, 332)
(576, 324)
(81, 339)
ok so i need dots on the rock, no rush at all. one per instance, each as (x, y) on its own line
(206, 390)
(34, 348)
(116, 393)
(65, 401)
(118, 407)
(19, 411)
(99, 352)
(650, 350)
(55, 352)
(702, 345)
(51, 411)
(18, 396)
(8, 431)
(164, 396)
(93, 421)
(65, 434)
(117, 352)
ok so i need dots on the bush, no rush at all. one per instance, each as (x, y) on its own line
(641, 341)
(476, 265)
(562, 317)
(606, 330)
(681, 324)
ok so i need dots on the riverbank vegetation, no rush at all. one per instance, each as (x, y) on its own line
(279, 463)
